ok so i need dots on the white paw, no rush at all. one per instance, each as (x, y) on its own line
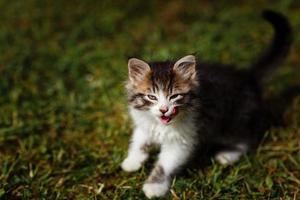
(131, 165)
(156, 189)
(228, 157)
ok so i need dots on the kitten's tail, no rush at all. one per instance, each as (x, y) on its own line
(279, 48)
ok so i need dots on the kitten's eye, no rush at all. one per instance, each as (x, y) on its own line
(176, 96)
(152, 97)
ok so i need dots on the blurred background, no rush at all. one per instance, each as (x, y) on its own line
(64, 126)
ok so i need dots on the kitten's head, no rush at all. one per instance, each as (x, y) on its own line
(162, 89)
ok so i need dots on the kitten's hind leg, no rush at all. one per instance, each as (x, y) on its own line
(137, 153)
(227, 157)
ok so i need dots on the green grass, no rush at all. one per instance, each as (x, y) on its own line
(64, 127)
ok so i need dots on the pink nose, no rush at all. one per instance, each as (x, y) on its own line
(163, 109)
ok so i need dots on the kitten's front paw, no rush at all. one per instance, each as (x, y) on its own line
(156, 189)
(131, 165)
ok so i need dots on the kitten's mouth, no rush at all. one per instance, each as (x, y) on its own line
(166, 119)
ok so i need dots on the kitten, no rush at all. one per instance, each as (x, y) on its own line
(184, 104)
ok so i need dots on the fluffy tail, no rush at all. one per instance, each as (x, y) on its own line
(279, 48)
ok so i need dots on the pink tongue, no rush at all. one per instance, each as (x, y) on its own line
(165, 119)
(175, 111)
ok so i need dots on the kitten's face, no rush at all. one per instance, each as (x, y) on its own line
(162, 90)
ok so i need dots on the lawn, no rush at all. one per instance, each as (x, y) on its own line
(64, 126)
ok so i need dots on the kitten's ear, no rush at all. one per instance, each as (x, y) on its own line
(186, 67)
(137, 69)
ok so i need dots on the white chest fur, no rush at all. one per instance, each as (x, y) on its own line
(181, 131)
(177, 141)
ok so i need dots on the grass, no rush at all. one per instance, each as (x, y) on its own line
(64, 126)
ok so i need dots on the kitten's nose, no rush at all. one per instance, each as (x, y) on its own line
(163, 109)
